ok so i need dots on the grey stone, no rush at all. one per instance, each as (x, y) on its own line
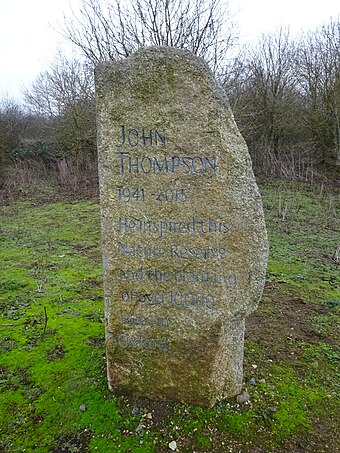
(243, 397)
(173, 445)
(139, 428)
(183, 234)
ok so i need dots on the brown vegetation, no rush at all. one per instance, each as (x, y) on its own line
(284, 92)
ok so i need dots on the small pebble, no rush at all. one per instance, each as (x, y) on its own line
(139, 428)
(243, 397)
(135, 410)
(173, 445)
(82, 408)
(272, 409)
(252, 381)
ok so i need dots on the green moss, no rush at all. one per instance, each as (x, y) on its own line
(237, 423)
(51, 366)
(294, 403)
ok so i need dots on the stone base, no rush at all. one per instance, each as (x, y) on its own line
(185, 372)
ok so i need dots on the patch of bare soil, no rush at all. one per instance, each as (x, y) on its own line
(75, 443)
(282, 321)
(56, 353)
(325, 438)
(154, 412)
(280, 324)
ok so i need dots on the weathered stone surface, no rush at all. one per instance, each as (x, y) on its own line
(183, 235)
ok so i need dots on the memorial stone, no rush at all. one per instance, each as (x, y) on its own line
(183, 234)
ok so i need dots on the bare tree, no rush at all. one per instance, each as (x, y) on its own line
(111, 29)
(319, 75)
(64, 96)
(65, 82)
(12, 125)
(262, 88)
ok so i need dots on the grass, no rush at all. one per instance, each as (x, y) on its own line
(54, 394)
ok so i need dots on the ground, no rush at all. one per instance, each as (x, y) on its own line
(53, 394)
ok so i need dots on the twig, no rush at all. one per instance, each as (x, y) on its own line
(336, 254)
(46, 319)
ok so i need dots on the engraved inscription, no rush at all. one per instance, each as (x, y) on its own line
(140, 251)
(178, 277)
(141, 137)
(199, 300)
(177, 164)
(138, 154)
(125, 340)
(163, 227)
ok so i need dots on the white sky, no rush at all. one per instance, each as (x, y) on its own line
(28, 41)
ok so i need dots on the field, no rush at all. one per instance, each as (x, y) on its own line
(53, 390)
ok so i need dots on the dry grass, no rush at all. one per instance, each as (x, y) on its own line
(291, 166)
(44, 181)
(77, 178)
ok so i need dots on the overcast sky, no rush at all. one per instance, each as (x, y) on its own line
(28, 40)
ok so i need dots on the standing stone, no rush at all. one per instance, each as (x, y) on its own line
(183, 234)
